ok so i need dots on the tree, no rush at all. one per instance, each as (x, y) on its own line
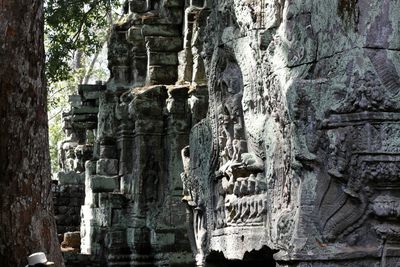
(75, 36)
(74, 30)
(26, 216)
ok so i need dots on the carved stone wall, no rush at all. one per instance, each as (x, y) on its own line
(133, 214)
(262, 130)
(79, 125)
(299, 149)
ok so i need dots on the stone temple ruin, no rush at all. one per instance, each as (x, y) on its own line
(231, 131)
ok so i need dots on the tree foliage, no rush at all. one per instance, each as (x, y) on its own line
(74, 26)
(75, 34)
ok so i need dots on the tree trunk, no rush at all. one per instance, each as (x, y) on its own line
(26, 216)
(91, 67)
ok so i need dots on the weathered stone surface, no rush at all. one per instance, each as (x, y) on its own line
(160, 30)
(173, 3)
(104, 184)
(167, 74)
(161, 44)
(79, 125)
(278, 124)
(68, 198)
(71, 240)
(298, 108)
(139, 6)
(75, 101)
(107, 167)
(163, 58)
(70, 178)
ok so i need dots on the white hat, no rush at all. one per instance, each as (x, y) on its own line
(38, 257)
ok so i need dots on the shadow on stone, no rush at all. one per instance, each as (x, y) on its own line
(254, 258)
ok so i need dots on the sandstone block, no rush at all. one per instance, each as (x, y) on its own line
(139, 6)
(108, 152)
(174, 3)
(107, 167)
(164, 44)
(162, 74)
(161, 58)
(75, 101)
(90, 167)
(85, 110)
(72, 240)
(116, 238)
(104, 184)
(134, 34)
(121, 74)
(197, 3)
(70, 178)
(175, 15)
(165, 239)
(160, 30)
(90, 91)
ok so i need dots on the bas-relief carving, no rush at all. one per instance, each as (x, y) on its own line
(77, 146)
(359, 185)
(241, 184)
(233, 186)
(224, 185)
(195, 178)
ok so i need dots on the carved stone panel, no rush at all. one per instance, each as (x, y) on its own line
(359, 184)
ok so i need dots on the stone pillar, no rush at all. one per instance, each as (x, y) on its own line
(162, 59)
(178, 127)
(191, 65)
(125, 148)
(101, 178)
(120, 52)
(147, 110)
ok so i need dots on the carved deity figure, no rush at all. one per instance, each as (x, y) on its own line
(231, 112)
(195, 205)
(241, 188)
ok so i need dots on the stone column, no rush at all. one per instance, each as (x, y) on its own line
(147, 111)
(101, 178)
(125, 148)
